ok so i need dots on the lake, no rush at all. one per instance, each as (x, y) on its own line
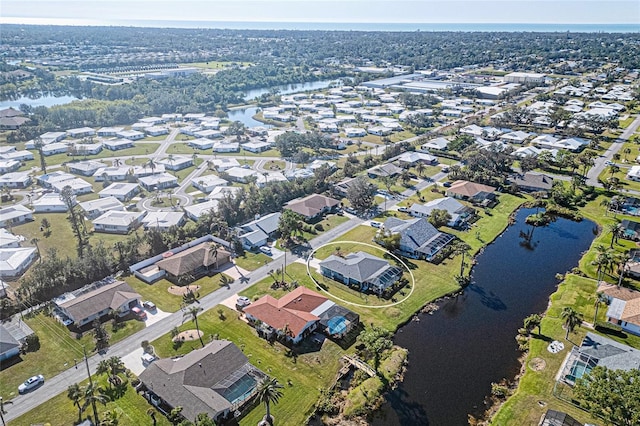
(245, 116)
(46, 100)
(456, 353)
(288, 88)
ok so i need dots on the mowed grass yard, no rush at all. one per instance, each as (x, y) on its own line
(131, 408)
(57, 351)
(307, 372)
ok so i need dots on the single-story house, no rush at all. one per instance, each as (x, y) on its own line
(77, 185)
(460, 213)
(118, 144)
(219, 192)
(95, 208)
(47, 180)
(313, 207)
(80, 132)
(594, 351)
(517, 137)
(226, 146)
(121, 191)
(109, 131)
(533, 182)
(15, 180)
(14, 261)
(162, 221)
(634, 173)
(475, 192)
(201, 143)
(177, 162)
(7, 166)
(437, 144)
(208, 182)
(265, 179)
(223, 164)
(51, 203)
(419, 239)
(9, 240)
(132, 135)
(342, 188)
(118, 222)
(85, 168)
(384, 170)
(297, 314)
(146, 170)
(15, 215)
(355, 132)
(257, 232)
(112, 173)
(239, 174)
(362, 271)
(197, 261)
(194, 211)
(217, 380)
(630, 230)
(558, 418)
(54, 148)
(21, 155)
(624, 306)
(82, 306)
(13, 334)
(156, 130)
(208, 133)
(159, 181)
(409, 159)
(256, 147)
(80, 149)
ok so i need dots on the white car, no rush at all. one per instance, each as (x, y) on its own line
(376, 224)
(31, 383)
(147, 358)
(266, 250)
(243, 301)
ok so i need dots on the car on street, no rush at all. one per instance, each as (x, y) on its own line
(139, 313)
(266, 250)
(149, 305)
(31, 383)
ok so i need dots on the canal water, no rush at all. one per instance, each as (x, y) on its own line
(456, 353)
(288, 88)
(47, 100)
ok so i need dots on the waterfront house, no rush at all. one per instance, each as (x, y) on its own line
(419, 239)
(471, 191)
(533, 182)
(624, 306)
(460, 214)
(630, 230)
(362, 271)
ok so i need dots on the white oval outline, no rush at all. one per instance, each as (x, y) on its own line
(413, 280)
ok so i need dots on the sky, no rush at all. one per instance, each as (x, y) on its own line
(118, 12)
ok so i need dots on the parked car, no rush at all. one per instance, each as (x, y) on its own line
(139, 313)
(149, 305)
(446, 184)
(403, 209)
(31, 383)
(376, 224)
(266, 250)
(147, 358)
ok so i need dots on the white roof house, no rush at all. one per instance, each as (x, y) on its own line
(220, 192)
(256, 146)
(95, 208)
(77, 185)
(81, 132)
(15, 180)
(132, 135)
(13, 215)
(146, 170)
(109, 131)
(163, 220)
(438, 144)
(156, 130)
(526, 151)
(223, 164)
(194, 211)
(473, 130)
(517, 137)
(159, 181)
(49, 203)
(545, 141)
(85, 168)
(120, 190)
(21, 155)
(50, 178)
(14, 261)
(85, 149)
(51, 137)
(239, 174)
(8, 240)
(411, 158)
(201, 143)
(355, 132)
(458, 211)
(208, 134)
(118, 222)
(634, 173)
(54, 148)
(176, 162)
(112, 173)
(270, 178)
(118, 144)
(226, 146)
(208, 182)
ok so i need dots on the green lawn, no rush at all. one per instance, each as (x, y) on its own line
(329, 222)
(626, 122)
(57, 351)
(307, 372)
(251, 261)
(159, 294)
(131, 407)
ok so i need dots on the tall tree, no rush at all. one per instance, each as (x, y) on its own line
(92, 395)
(100, 335)
(601, 298)
(290, 223)
(75, 218)
(269, 392)
(572, 319)
(74, 393)
(38, 145)
(192, 313)
(361, 194)
(613, 395)
(374, 340)
(112, 367)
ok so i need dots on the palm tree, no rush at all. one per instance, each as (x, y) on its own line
(420, 168)
(572, 319)
(35, 241)
(91, 395)
(74, 393)
(111, 418)
(603, 260)
(601, 298)
(151, 412)
(151, 164)
(112, 367)
(461, 248)
(269, 393)
(614, 228)
(192, 313)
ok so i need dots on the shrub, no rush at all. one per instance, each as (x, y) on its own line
(319, 227)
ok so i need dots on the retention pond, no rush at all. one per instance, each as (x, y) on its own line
(469, 342)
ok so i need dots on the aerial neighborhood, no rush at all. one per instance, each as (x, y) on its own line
(262, 258)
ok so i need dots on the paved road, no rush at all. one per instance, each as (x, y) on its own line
(601, 161)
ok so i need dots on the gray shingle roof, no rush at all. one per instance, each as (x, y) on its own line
(360, 266)
(7, 341)
(418, 234)
(609, 353)
(108, 296)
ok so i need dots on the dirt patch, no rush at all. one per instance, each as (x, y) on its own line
(188, 335)
(181, 291)
(537, 364)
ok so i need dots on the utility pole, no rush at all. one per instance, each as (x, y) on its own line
(93, 402)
